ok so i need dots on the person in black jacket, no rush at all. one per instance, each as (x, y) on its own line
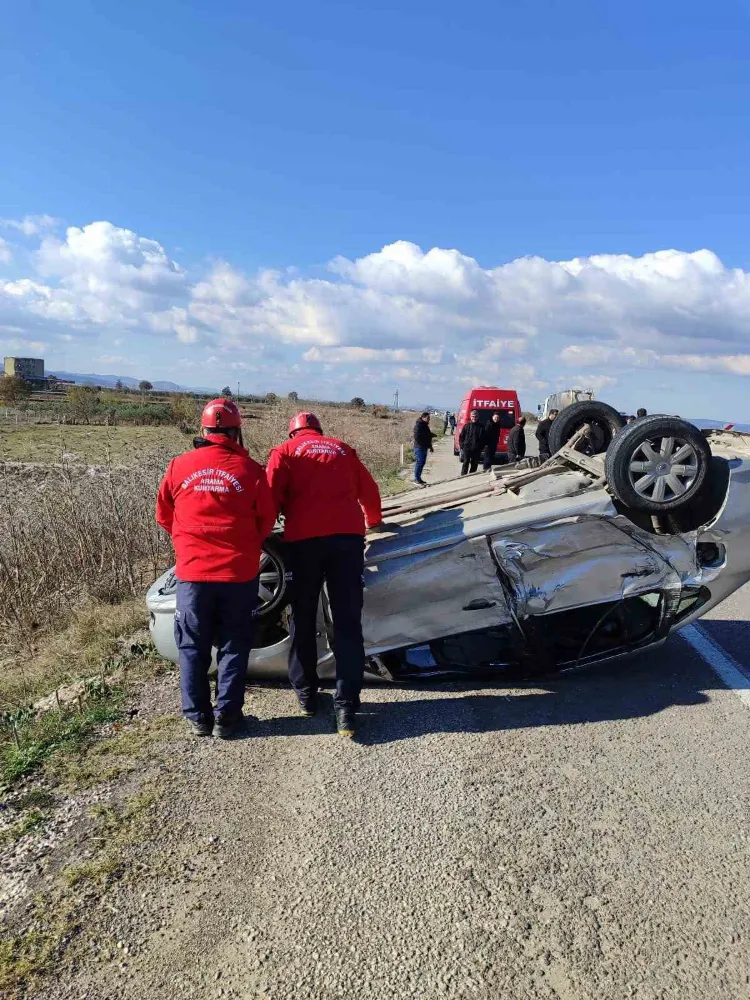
(542, 434)
(491, 437)
(471, 442)
(517, 441)
(423, 438)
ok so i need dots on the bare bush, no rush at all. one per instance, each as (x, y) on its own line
(378, 441)
(71, 534)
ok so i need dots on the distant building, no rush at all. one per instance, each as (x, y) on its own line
(32, 369)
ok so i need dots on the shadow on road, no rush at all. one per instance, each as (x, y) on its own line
(733, 637)
(628, 689)
(632, 688)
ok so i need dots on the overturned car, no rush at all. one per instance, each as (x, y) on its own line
(623, 536)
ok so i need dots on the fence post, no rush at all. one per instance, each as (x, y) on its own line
(402, 454)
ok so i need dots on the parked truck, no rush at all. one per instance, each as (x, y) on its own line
(565, 397)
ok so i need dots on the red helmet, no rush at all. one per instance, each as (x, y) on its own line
(221, 413)
(304, 421)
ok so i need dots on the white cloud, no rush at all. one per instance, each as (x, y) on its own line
(31, 225)
(401, 298)
(356, 355)
(6, 252)
(29, 347)
(629, 357)
(430, 318)
(103, 276)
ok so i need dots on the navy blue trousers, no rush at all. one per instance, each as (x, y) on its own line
(220, 615)
(339, 562)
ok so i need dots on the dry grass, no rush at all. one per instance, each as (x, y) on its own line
(89, 644)
(377, 440)
(93, 445)
(74, 547)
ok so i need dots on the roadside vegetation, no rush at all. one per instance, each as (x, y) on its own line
(52, 444)
(80, 547)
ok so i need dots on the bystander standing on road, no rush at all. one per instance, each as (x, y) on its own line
(328, 498)
(491, 438)
(215, 503)
(423, 438)
(542, 434)
(452, 422)
(517, 441)
(471, 443)
(446, 419)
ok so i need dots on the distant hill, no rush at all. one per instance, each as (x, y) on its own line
(130, 383)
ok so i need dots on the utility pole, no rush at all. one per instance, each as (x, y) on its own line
(238, 392)
(395, 400)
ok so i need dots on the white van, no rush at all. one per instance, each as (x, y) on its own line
(565, 397)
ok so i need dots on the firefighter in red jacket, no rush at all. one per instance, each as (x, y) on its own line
(215, 503)
(328, 498)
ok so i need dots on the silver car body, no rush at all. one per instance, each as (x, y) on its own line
(522, 550)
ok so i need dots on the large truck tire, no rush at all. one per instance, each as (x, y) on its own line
(604, 420)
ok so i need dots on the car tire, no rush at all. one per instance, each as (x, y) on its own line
(273, 578)
(658, 464)
(605, 421)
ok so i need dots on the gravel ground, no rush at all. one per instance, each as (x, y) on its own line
(584, 839)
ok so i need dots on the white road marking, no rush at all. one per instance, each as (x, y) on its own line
(719, 661)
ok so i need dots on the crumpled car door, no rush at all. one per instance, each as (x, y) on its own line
(427, 595)
(577, 561)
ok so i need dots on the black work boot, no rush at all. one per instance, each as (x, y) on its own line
(345, 721)
(228, 725)
(202, 726)
(308, 704)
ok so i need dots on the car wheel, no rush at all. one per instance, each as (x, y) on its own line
(604, 421)
(658, 464)
(273, 582)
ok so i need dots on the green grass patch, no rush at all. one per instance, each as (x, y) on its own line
(25, 956)
(114, 756)
(31, 821)
(29, 740)
(35, 798)
(119, 827)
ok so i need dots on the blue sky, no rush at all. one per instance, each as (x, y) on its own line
(255, 193)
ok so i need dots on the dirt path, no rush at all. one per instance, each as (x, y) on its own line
(442, 464)
(586, 839)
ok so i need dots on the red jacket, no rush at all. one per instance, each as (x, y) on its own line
(321, 487)
(216, 505)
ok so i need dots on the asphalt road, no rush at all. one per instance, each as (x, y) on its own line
(584, 839)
